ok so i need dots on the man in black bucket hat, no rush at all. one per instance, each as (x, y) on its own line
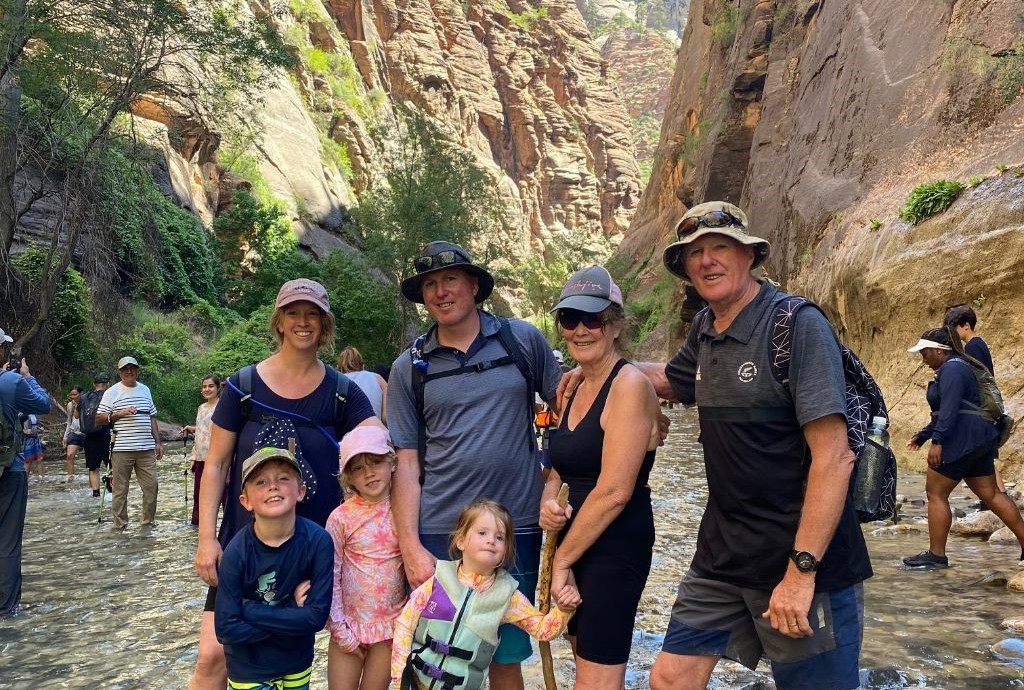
(780, 557)
(460, 413)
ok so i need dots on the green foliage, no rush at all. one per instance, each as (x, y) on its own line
(317, 61)
(163, 253)
(256, 248)
(542, 282)
(434, 191)
(725, 23)
(975, 181)
(692, 142)
(527, 19)
(246, 343)
(654, 308)
(930, 198)
(1009, 72)
(1001, 167)
(364, 305)
(165, 351)
(70, 316)
(874, 223)
(336, 155)
(620, 22)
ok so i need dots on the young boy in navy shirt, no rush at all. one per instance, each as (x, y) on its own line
(274, 580)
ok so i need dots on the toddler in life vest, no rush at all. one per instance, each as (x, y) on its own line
(448, 631)
(369, 581)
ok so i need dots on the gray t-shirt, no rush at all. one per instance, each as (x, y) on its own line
(478, 425)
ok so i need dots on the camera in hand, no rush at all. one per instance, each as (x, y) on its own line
(15, 362)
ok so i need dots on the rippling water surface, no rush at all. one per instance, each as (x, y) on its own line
(121, 610)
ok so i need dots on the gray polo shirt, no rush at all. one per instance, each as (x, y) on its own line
(755, 454)
(478, 425)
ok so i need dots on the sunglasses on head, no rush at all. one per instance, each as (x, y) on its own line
(712, 219)
(569, 319)
(444, 258)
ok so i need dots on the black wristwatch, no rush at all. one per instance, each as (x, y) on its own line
(805, 561)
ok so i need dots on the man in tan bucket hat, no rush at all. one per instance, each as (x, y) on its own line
(780, 557)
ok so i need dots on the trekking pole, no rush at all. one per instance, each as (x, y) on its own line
(547, 556)
(105, 478)
(184, 472)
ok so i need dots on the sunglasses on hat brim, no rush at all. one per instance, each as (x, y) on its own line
(711, 219)
(448, 257)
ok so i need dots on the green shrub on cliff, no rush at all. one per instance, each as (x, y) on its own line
(930, 198)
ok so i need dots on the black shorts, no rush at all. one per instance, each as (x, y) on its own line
(76, 439)
(211, 599)
(980, 462)
(97, 449)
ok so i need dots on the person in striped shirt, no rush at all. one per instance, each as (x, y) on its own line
(128, 406)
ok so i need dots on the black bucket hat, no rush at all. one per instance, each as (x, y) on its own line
(438, 256)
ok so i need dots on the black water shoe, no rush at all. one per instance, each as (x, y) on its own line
(926, 559)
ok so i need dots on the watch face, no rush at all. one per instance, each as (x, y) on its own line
(805, 561)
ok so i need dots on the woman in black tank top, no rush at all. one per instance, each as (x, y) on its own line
(604, 451)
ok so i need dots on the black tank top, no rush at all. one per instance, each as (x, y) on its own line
(576, 455)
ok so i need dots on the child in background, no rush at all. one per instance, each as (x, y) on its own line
(369, 580)
(274, 580)
(31, 446)
(449, 629)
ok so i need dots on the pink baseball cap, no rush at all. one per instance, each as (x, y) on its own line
(363, 439)
(303, 290)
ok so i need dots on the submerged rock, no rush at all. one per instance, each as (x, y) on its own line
(1002, 535)
(1017, 581)
(881, 679)
(1013, 624)
(1010, 650)
(902, 528)
(981, 523)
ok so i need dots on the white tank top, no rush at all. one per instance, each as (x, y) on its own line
(367, 382)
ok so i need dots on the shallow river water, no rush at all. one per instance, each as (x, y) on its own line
(121, 611)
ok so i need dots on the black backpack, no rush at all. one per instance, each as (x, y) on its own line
(863, 398)
(87, 406)
(10, 442)
(514, 355)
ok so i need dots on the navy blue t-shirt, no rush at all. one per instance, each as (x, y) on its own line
(320, 454)
(265, 635)
(978, 348)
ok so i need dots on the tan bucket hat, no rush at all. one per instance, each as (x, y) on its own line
(718, 217)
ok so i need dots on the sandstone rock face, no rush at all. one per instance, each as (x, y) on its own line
(819, 118)
(527, 92)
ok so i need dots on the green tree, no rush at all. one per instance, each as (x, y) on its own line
(365, 306)
(69, 71)
(257, 252)
(435, 190)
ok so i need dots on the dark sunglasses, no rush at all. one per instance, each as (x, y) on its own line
(712, 219)
(569, 319)
(446, 258)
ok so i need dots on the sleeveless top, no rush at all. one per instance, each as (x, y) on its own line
(367, 382)
(576, 455)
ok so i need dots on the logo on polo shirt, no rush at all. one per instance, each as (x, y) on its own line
(747, 372)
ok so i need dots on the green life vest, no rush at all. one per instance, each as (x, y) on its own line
(457, 632)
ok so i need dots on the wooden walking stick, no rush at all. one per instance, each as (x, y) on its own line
(547, 555)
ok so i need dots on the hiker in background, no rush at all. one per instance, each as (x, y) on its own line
(961, 317)
(129, 408)
(963, 446)
(294, 381)
(73, 437)
(604, 450)
(350, 363)
(471, 379)
(779, 542)
(19, 393)
(31, 444)
(210, 390)
(97, 436)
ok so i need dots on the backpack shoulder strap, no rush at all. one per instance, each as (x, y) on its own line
(781, 335)
(341, 387)
(515, 351)
(245, 376)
